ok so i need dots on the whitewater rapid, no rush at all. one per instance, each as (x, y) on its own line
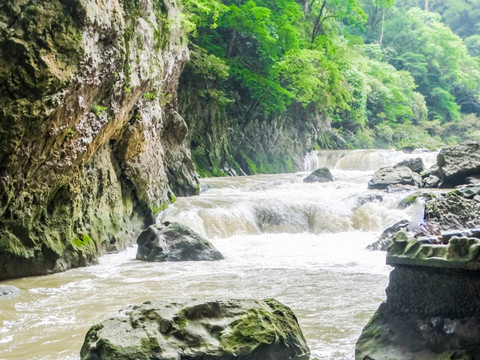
(303, 244)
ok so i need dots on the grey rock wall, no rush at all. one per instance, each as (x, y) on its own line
(91, 144)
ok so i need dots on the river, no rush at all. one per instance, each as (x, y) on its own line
(302, 244)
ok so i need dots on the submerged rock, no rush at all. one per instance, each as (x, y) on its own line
(432, 310)
(394, 176)
(319, 175)
(174, 242)
(8, 290)
(365, 199)
(91, 143)
(217, 330)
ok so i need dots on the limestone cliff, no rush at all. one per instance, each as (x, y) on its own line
(91, 144)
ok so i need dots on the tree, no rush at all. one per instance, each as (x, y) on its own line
(342, 10)
(438, 60)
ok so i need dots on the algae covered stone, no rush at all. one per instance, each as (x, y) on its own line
(215, 330)
(432, 310)
(174, 242)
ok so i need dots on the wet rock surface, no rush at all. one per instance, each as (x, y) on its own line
(456, 165)
(432, 310)
(91, 144)
(223, 330)
(8, 290)
(386, 238)
(319, 175)
(416, 165)
(365, 199)
(394, 176)
(174, 242)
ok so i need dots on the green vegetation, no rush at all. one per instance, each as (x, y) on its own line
(271, 79)
(84, 241)
(98, 110)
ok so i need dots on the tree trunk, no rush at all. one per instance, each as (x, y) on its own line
(232, 41)
(318, 24)
(383, 23)
(426, 5)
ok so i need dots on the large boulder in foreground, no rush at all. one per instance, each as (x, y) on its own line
(389, 175)
(217, 330)
(319, 175)
(432, 309)
(174, 242)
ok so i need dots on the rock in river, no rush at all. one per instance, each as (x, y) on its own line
(8, 290)
(432, 310)
(216, 330)
(416, 165)
(394, 176)
(458, 163)
(319, 175)
(174, 242)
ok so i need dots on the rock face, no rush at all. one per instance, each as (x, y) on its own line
(223, 330)
(456, 165)
(394, 176)
(453, 211)
(432, 309)
(319, 175)
(90, 139)
(174, 242)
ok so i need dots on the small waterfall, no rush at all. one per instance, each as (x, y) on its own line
(284, 204)
(362, 160)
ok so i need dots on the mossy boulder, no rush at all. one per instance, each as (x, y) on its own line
(216, 330)
(320, 175)
(432, 310)
(174, 242)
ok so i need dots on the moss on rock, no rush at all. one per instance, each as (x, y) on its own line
(74, 156)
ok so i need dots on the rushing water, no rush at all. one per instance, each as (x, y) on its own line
(303, 244)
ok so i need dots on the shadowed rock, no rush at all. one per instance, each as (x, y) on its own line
(216, 330)
(319, 175)
(174, 242)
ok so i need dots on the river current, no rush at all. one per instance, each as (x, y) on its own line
(302, 244)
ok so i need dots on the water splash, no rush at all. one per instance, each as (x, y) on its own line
(362, 160)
